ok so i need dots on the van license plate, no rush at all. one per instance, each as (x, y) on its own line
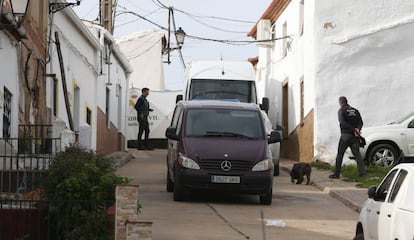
(225, 179)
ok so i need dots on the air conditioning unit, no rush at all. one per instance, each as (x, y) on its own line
(264, 33)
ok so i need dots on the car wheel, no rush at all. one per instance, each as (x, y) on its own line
(359, 236)
(170, 183)
(276, 170)
(383, 155)
(177, 191)
(267, 199)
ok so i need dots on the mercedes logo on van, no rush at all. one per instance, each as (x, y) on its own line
(225, 166)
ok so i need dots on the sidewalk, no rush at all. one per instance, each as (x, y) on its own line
(346, 192)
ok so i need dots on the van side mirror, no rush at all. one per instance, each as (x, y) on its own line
(279, 127)
(265, 104)
(178, 98)
(274, 137)
(171, 133)
(372, 192)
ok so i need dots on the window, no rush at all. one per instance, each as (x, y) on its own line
(233, 123)
(385, 187)
(107, 105)
(397, 185)
(177, 113)
(411, 124)
(88, 116)
(302, 100)
(7, 101)
(55, 97)
(285, 108)
(301, 17)
(285, 40)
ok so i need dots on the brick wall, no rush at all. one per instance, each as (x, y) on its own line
(127, 225)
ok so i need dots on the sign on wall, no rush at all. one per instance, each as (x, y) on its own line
(162, 102)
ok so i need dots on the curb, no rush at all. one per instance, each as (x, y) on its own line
(119, 162)
(333, 193)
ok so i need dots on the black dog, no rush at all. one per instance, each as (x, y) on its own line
(299, 170)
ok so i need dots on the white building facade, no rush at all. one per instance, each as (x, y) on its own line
(96, 78)
(9, 87)
(334, 48)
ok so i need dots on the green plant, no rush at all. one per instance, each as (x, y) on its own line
(374, 175)
(80, 186)
(322, 165)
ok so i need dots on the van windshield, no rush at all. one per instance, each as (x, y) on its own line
(231, 90)
(224, 123)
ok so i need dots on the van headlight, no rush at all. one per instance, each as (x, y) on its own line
(188, 163)
(263, 165)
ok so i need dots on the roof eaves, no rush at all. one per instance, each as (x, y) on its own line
(273, 11)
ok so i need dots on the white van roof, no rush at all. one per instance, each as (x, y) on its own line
(221, 70)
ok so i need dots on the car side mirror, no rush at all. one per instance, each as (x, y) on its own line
(265, 104)
(178, 98)
(171, 133)
(274, 137)
(372, 192)
(279, 127)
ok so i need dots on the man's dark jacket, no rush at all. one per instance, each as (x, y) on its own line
(142, 106)
(349, 119)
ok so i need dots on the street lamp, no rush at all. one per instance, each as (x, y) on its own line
(180, 36)
(18, 10)
(19, 7)
(57, 6)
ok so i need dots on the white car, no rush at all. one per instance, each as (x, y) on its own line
(389, 211)
(384, 144)
(274, 147)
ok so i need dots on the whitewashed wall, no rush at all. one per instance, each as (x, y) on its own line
(144, 52)
(9, 78)
(80, 57)
(274, 68)
(115, 77)
(363, 50)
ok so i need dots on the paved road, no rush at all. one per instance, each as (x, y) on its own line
(307, 212)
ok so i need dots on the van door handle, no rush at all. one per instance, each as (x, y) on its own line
(389, 215)
(378, 212)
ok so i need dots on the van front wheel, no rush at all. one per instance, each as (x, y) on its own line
(177, 192)
(170, 184)
(267, 198)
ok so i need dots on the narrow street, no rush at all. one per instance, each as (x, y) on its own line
(308, 212)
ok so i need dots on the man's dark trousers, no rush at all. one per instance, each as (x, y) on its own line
(143, 127)
(349, 140)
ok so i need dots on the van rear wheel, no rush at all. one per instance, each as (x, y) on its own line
(267, 199)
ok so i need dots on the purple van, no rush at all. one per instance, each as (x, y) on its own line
(219, 146)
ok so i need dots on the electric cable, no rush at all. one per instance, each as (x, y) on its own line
(224, 41)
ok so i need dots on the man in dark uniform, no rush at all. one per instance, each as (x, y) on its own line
(143, 109)
(350, 122)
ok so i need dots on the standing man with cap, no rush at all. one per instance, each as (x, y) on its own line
(143, 109)
(350, 122)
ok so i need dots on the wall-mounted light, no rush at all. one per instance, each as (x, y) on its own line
(180, 36)
(18, 11)
(57, 6)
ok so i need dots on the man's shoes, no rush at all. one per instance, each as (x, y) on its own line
(333, 176)
(140, 148)
(148, 148)
(363, 175)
